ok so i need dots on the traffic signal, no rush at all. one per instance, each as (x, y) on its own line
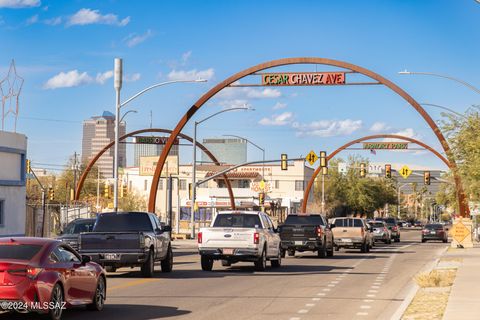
(28, 166)
(51, 194)
(123, 191)
(323, 159)
(261, 198)
(190, 194)
(72, 194)
(426, 178)
(106, 191)
(284, 163)
(388, 171)
(363, 170)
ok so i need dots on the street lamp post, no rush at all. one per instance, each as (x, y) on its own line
(194, 162)
(477, 90)
(398, 199)
(118, 86)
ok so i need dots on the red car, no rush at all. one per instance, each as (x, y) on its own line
(46, 276)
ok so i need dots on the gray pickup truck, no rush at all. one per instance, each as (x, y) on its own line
(128, 239)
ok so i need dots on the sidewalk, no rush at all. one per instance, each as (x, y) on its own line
(464, 300)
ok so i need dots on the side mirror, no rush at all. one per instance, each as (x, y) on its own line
(167, 229)
(86, 259)
(158, 230)
(332, 225)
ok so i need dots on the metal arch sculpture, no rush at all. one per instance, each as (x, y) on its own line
(304, 60)
(306, 193)
(181, 135)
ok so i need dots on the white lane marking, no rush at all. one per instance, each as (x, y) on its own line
(371, 295)
(310, 305)
(302, 311)
(326, 289)
(321, 294)
(375, 287)
(316, 299)
(373, 291)
(362, 313)
(377, 283)
(294, 318)
(331, 285)
(334, 282)
(365, 307)
(367, 300)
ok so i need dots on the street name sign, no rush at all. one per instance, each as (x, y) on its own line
(311, 157)
(303, 78)
(385, 145)
(405, 172)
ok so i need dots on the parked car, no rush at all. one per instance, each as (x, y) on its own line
(351, 233)
(434, 231)
(71, 232)
(240, 236)
(46, 275)
(381, 232)
(418, 224)
(392, 226)
(307, 233)
(129, 239)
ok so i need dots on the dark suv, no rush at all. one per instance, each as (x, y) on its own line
(70, 233)
(392, 225)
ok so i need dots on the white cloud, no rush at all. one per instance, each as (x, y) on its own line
(248, 93)
(53, 21)
(279, 105)
(131, 77)
(379, 126)
(327, 128)
(185, 57)
(191, 74)
(102, 77)
(33, 19)
(69, 79)
(408, 132)
(235, 103)
(277, 119)
(134, 39)
(88, 16)
(17, 4)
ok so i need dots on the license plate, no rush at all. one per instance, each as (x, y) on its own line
(298, 243)
(432, 232)
(228, 251)
(347, 240)
(112, 256)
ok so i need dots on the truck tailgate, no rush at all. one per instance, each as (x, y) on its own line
(227, 237)
(105, 241)
(298, 232)
(347, 232)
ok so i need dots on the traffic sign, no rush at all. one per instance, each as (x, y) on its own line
(311, 157)
(460, 232)
(405, 172)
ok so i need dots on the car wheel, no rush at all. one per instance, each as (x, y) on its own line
(423, 240)
(445, 240)
(148, 266)
(291, 253)
(363, 248)
(337, 248)
(283, 253)
(261, 262)
(277, 263)
(167, 263)
(207, 263)
(330, 252)
(397, 239)
(99, 298)
(56, 301)
(226, 263)
(322, 252)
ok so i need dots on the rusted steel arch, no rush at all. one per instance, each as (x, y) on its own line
(303, 60)
(306, 194)
(181, 135)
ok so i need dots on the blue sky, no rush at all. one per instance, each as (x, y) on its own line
(65, 52)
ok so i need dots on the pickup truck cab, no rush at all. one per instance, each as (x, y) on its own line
(128, 239)
(352, 233)
(307, 232)
(70, 234)
(240, 236)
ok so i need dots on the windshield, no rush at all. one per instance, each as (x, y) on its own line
(309, 220)
(18, 251)
(79, 227)
(376, 224)
(123, 222)
(434, 226)
(348, 223)
(237, 221)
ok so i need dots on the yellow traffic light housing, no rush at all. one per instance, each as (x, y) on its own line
(324, 171)
(284, 163)
(28, 166)
(388, 171)
(363, 170)
(261, 198)
(426, 178)
(106, 191)
(51, 194)
(323, 159)
(124, 190)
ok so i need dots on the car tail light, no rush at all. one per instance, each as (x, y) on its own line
(425, 231)
(319, 232)
(141, 239)
(199, 237)
(394, 228)
(29, 272)
(256, 238)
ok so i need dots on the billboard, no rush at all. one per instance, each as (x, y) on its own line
(148, 164)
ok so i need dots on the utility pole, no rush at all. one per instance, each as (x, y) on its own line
(98, 189)
(74, 175)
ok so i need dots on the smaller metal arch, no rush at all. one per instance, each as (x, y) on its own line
(377, 136)
(181, 135)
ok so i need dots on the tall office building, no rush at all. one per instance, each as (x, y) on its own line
(99, 131)
(148, 150)
(226, 150)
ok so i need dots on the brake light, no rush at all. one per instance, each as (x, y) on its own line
(199, 237)
(141, 239)
(319, 232)
(29, 272)
(425, 231)
(256, 238)
(395, 228)
(32, 273)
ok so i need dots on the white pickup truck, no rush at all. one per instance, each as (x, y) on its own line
(240, 236)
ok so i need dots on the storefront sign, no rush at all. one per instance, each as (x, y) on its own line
(153, 140)
(148, 164)
(303, 79)
(385, 145)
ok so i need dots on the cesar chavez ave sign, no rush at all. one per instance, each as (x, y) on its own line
(385, 145)
(303, 78)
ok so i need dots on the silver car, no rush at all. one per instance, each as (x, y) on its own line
(381, 231)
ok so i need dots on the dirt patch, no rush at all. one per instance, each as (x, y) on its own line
(436, 278)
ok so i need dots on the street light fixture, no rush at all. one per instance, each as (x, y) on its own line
(477, 90)
(398, 198)
(125, 114)
(194, 161)
(117, 83)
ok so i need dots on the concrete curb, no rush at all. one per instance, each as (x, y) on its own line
(414, 288)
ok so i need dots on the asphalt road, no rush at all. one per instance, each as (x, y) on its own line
(350, 285)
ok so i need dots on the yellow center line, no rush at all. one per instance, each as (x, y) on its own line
(131, 284)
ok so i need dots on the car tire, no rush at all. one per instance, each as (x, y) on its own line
(277, 263)
(56, 299)
(226, 263)
(363, 248)
(445, 240)
(148, 267)
(283, 253)
(330, 252)
(261, 263)
(397, 239)
(423, 240)
(322, 252)
(207, 263)
(110, 269)
(167, 263)
(337, 248)
(291, 253)
(100, 295)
